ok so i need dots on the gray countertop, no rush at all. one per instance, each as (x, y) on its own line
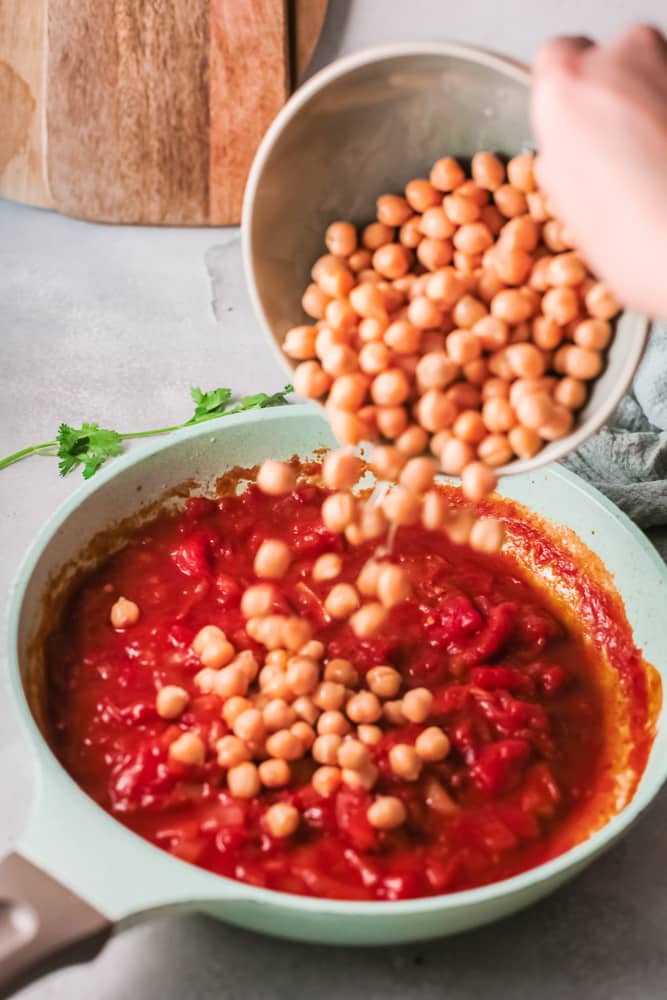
(115, 325)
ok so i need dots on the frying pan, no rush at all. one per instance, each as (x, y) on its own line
(76, 875)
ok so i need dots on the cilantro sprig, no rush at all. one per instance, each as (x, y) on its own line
(90, 445)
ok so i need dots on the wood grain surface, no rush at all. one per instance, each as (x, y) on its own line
(22, 152)
(249, 73)
(144, 111)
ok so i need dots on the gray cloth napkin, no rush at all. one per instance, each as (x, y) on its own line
(627, 459)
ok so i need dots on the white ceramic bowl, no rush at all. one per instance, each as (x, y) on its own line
(363, 126)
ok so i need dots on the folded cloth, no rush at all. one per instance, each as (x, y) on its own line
(627, 459)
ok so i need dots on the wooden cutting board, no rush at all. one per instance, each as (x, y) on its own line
(144, 111)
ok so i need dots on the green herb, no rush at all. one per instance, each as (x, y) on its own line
(90, 445)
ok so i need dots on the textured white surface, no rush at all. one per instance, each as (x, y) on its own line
(114, 325)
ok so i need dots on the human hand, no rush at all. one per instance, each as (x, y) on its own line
(600, 117)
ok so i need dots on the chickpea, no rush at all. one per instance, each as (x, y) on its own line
(561, 305)
(311, 380)
(333, 723)
(374, 357)
(547, 334)
(257, 600)
(277, 658)
(458, 527)
(360, 260)
(435, 411)
(273, 683)
(534, 409)
(342, 672)
(434, 510)
(537, 206)
(171, 701)
(338, 510)
(495, 387)
(554, 236)
(205, 680)
(233, 708)
(369, 735)
(512, 306)
(412, 441)
(581, 363)
(422, 195)
(524, 441)
(327, 566)
(306, 710)
(304, 733)
(435, 224)
(282, 820)
(494, 450)
(393, 585)
(243, 780)
(299, 342)
(341, 469)
(433, 254)
(353, 754)
(302, 674)
(392, 210)
(342, 600)
(487, 171)
(325, 780)
(520, 172)
(477, 481)
(367, 581)
(464, 396)
(272, 559)
(592, 334)
(217, 653)
(364, 778)
(368, 301)
(369, 620)
(488, 285)
(467, 264)
(325, 748)
(423, 313)
(526, 361)
(570, 392)
(401, 507)
(314, 301)
(486, 535)
(391, 420)
(410, 233)
(600, 301)
(384, 681)
(438, 441)
(124, 613)
(498, 415)
(274, 773)
(417, 704)
(463, 346)
(432, 744)
(401, 336)
(231, 681)
(333, 277)
(392, 260)
(393, 713)
(510, 201)
(474, 237)
(559, 424)
(446, 174)
(460, 209)
(491, 333)
(340, 317)
(188, 748)
(386, 812)
(277, 714)
(436, 370)
(347, 427)
(329, 695)
(339, 359)
(405, 762)
(363, 707)
(249, 725)
(417, 475)
(284, 745)
(566, 269)
(469, 427)
(231, 751)
(377, 234)
(513, 267)
(372, 328)
(341, 239)
(468, 311)
(387, 462)
(390, 387)
(520, 233)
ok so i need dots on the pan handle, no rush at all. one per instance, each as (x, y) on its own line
(43, 925)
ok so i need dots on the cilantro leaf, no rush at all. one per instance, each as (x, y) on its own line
(261, 401)
(208, 404)
(89, 445)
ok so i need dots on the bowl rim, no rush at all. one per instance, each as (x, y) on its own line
(638, 324)
(189, 883)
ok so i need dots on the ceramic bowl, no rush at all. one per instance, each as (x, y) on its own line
(76, 872)
(364, 126)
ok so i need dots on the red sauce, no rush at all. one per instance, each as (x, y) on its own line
(528, 707)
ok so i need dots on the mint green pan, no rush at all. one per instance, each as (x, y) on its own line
(78, 875)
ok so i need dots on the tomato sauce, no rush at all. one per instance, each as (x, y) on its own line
(523, 697)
